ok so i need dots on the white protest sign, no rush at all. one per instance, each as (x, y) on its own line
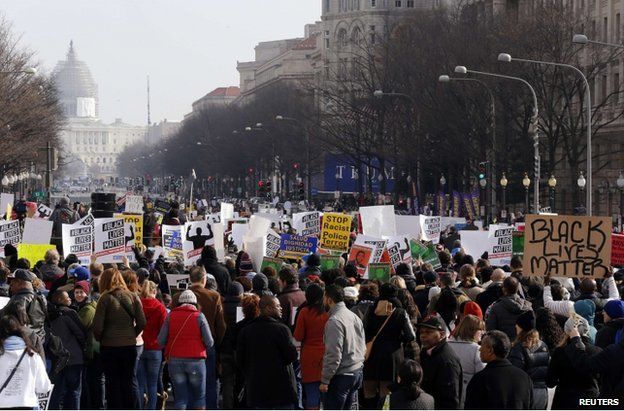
(497, 242)
(273, 241)
(86, 220)
(37, 231)
(239, 231)
(255, 249)
(377, 245)
(43, 399)
(5, 200)
(9, 234)
(78, 240)
(239, 314)
(408, 225)
(378, 221)
(429, 228)
(219, 245)
(110, 239)
(307, 224)
(258, 226)
(172, 241)
(401, 245)
(134, 204)
(197, 234)
(4, 301)
(227, 211)
(214, 218)
(43, 211)
(177, 283)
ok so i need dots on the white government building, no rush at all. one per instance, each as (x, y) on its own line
(90, 146)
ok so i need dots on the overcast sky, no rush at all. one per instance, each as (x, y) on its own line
(188, 47)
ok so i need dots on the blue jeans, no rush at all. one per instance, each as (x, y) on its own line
(312, 395)
(147, 376)
(189, 383)
(135, 381)
(342, 391)
(67, 388)
(212, 392)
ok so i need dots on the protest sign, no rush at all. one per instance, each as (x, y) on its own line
(162, 207)
(497, 242)
(276, 263)
(296, 246)
(567, 246)
(227, 211)
(178, 283)
(33, 252)
(214, 218)
(273, 241)
(136, 222)
(197, 234)
(37, 231)
(4, 301)
(517, 243)
(307, 224)
(86, 220)
(258, 226)
(379, 271)
(408, 225)
(425, 252)
(134, 204)
(43, 399)
(395, 255)
(378, 221)
(78, 240)
(43, 211)
(430, 228)
(239, 231)
(329, 262)
(376, 244)
(9, 234)
(617, 249)
(360, 256)
(402, 242)
(335, 232)
(172, 241)
(417, 249)
(110, 239)
(6, 200)
(255, 248)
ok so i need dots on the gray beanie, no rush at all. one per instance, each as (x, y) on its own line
(579, 322)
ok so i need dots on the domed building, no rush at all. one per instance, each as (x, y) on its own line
(90, 146)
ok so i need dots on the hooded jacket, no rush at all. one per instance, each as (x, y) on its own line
(503, 314)
(66, 324)
(34, 306)
(490, 295)
(587, 310)
(533, 361)
(606, 335)
(155, 314)
(442, 376)
(212, 266)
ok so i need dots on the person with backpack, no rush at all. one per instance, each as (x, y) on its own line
(66, 324)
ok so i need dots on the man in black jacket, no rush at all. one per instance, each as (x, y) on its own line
(265, 353)
(500, 385)
(212, 266)
(442, 371)
(26, 301)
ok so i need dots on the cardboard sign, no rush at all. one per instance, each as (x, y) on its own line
(134, 204)
(33, 252)
(430, 228)
(9, 234)
(335, 232)
(377, 244)
(273, 241)
(37, 231)
(78, 240)
(617, 249)
(296, 246)
(395, 255)
(329, 262)
(360, 256)
(276, 263)
(307, 224)
(379, 271)
(178, 283)
(43, 211)
(196, 235)
(110, 239)
(136, 222)
(567, 246)
(172, 241)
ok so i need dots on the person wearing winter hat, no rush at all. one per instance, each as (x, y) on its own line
(210, 263)
(142, 275)
(186, 337)
(351, 296)
(312, 266)
(530, 353)
(569, 382)
(245, 264)
(260, 285)
(587, 309)
(50, 270)
(613, 329)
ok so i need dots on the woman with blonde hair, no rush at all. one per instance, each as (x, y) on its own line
(118, 320)
(530, 353)
(465, 344)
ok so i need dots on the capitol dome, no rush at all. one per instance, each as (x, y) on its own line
(78, 91)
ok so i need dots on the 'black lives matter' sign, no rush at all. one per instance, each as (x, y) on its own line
(567, 246)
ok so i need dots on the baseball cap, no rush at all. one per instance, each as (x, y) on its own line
(434, 323)
(24, 275)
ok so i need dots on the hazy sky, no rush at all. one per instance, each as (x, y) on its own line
(188, 47)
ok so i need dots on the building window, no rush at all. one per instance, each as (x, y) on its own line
(410, 3)
(342, 38)
(604, 87)
(327, 3)
(397, 3)
(372, 34)
(617, 27)
(616, 87)
(373, 3)
(357, 4)
(605, 30)
(104, 160)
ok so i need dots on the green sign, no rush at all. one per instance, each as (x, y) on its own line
(517, 242)
(329, 262)
(276, 263)
(379, 271)
(417, 249)
(425, 252)
(39, 194)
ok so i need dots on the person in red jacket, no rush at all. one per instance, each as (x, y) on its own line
(186, 337)
(151, 358)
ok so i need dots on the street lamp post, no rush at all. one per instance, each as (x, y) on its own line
(533, 128)
(484, 213)
(505, 57)
(503, 183)
(620, 185)
(581, 184)
(526, 182)
(552, 183)
(308, 160)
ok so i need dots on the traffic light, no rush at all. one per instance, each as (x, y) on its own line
(268, 187)
(301, 191)
(483, 170)
(261, 187)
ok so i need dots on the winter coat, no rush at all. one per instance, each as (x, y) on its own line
(571, 384)
(113, 325)
(86, 312)
(212, 266)
(386, 355)
(290, 297)
(442, 376)
(361, 309)
(62, 215)
(35, 307)
(504, 313)
(49, 273)
(533, 361)
(489, 296)
(400, 400)
(209, 302)
(472, 292)
(265, 353)
(606, 335)
(500, 386)
(421, 297)
(468, 354)
(230, 308)
(309, 331)
(66, 325)
(155, 314)
(185, 334)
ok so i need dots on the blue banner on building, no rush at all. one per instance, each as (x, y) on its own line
(341, 173)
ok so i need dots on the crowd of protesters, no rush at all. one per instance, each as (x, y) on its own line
(467, 335)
